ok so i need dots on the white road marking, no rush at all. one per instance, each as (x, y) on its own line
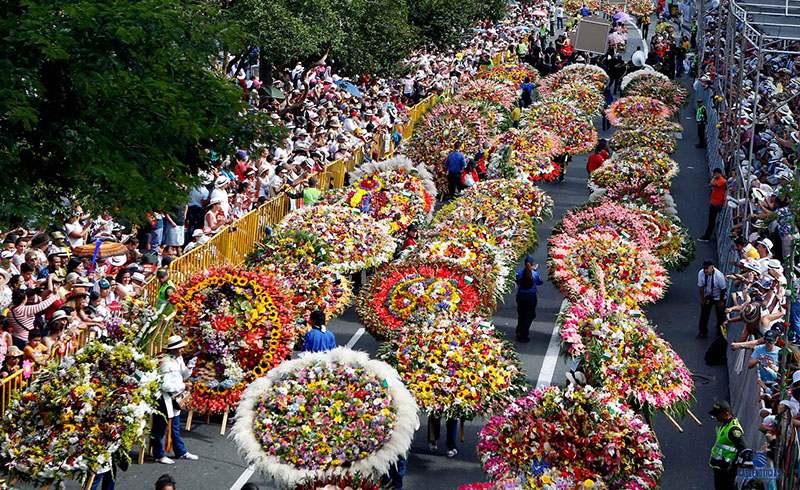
(551, 356)
(355, 338)
(245, 476)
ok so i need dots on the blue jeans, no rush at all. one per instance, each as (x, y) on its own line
(436, 428)
(160, 429)
(107, 480)
(794, 319)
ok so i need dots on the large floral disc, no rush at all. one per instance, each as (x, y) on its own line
(238, 325)
(457, 367)
(532, 200)
(573, 7)
(325, 416)
(581, 95)
(673, 243)
(638, 164)
(73, 415)
(571, 439)
(499, 92)
(606, 216)
(512, 72)
(578, 135)
(602, 261)
(355, 240)
(527, 154)
(590, 76)
(637, 112)
(391, 191)
(290, 247)
(649, 83)
(657, 140)
(404, 292)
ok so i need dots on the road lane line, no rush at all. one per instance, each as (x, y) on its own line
(355, 338)
(551, 356)
(243, 478)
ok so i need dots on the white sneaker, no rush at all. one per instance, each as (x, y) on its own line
(189, 456)
(452, 452)
(166, 460)
(432, 447)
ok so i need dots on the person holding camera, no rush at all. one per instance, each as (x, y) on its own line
(713, 287)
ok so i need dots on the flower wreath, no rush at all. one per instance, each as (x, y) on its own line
(636, 164)
(289, 247)
(652, 138)
(578, 135)
(528, 153)
(512, 72)
(326, 416)
(599, 261)
(397, 292)
(354, 239)
(238, 325)
(590, 76)
(581, 95)
(499, 92)
(73, 415)
(605, 215)
(670, 92)
(673, 242)
(456, 366)
(572, 438)
(637, 112)
(573, 7)
(533, 201)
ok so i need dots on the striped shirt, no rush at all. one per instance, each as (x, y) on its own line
(22, 317)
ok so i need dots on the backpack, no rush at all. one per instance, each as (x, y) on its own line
(717, 353)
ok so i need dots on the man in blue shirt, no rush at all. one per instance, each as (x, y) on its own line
(319, 338)
(456, 162)
(527, 280)
(585, 11)
(527, 87)
(766, 357)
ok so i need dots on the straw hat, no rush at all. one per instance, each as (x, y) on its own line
(175, 342)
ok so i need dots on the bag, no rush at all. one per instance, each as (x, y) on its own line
(468, 180)
(717, 353)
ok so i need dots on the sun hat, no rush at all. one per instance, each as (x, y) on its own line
(221, 181)
(59, 315)
(766, 242)
(72, 277)
(175, 342)
(6, 254)
(198, 232)
(751, 312)
(215, 200)
(13, 351)
(118, 260)
(137, 276)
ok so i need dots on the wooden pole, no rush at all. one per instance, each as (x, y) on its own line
(89, 481)
(691, 416)
(189, 420)
(462, 430)
(224, 422)
(143, 445)
(675, 424)
(430, 429)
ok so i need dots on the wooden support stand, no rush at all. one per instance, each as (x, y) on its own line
(691, 416)
(89, 481)
(189, 420)
(673, 422)
(224, 422)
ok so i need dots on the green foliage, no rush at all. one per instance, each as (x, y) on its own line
(110, 103)
(444, 23)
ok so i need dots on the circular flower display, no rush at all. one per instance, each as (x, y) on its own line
(673, 243)
(512, 72)
(581, 95)
(437, 131)
(600, 260)
(640, 8)
(590, 315)
(577, 134)
(73, 415)
(532, 200)
(664, 141)
(573, 7)
(397, 292)
(489, 263)
(456, 367)
(325, 415)
(290, 247)
(354, 239)
(606, 216)
(636, 165)
(637, 112)
(499, 92)
(590, 76)
(392, 191)
(670, 92)
(239, 327)
(528, 154)
(571, 439)
(472, 233)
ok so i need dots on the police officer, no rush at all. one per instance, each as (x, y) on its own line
(701, 117)
(166, 288)
(730, 441)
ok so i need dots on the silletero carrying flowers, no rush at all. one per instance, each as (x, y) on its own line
(578, 135)
(636, 165)
(325, 416)
(78, 413)
(456, 366)
(637, 112)
(659, 140)
(570, 439)
(512, 72)
(238, 325)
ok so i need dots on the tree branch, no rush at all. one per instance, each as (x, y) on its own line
(306, 87)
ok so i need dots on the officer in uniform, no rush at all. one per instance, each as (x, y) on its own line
(730, 441)
(166, 288)
(701, 117)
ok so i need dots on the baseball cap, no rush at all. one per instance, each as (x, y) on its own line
(719, 407)
(162, 272)
(104, 284)
(771, 335)
(6, 254)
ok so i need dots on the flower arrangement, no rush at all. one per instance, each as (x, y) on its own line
(573, 438)
(581, 95)
(590, 76)
(512, 72)
(573, 7)
(637, 112)
(354, 239)
(673, 243)
(528, 153)
(439, 128)
(344, 482)
(133, 326)
(456, 366)
(591, 315)
(670, 92)
(628, 272)
(326, 416)
(636, 164)
(392, 191)
(76, 414)
(577, 134)
(290, 247)
(664, 141)
(640, 8)
(607, 216)
(239, 327)
(499, 92)
(475, 234)
(533, 201)
(490, 264)
(512, 227)
(397, 292)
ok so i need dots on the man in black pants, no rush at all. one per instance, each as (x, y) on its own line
(713, 286)
(701, 117)
(456, 162)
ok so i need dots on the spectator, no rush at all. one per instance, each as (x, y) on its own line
(23, 312)
(35, 351)
(718, 190)
(319, 338)
(713, 286)
(165, 482)
(12, 362)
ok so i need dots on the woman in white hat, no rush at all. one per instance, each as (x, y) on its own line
(173, 372)
(215, 217)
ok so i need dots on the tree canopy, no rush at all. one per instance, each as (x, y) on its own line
(111, 103)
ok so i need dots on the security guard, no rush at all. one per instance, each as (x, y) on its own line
(166, 288)
(730, 441)
(701, 118)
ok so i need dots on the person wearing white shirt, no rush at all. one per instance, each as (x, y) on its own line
(220, 193)
(713, 287)
(174, 373)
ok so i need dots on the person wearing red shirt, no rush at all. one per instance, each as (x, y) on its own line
(596, 159)
(411, 237)
(718, 189)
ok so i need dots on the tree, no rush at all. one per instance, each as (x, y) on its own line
(444, 23)
(111, 103)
